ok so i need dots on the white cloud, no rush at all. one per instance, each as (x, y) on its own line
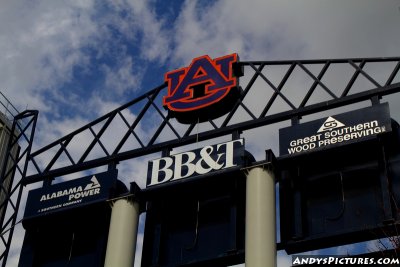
(267, 30)
(45, 43)
(251, 28)
(155, 44)
(120, 78)
(41, 44)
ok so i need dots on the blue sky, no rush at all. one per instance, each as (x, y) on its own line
(77, 60)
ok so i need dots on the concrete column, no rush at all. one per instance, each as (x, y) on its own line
(260, 218)
(122, 234)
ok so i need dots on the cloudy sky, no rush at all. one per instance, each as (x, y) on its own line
(77, 60)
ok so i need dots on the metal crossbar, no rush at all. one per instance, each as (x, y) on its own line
(167, 134)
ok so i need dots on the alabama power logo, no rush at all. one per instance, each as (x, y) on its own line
(76, 192)
(204, 83)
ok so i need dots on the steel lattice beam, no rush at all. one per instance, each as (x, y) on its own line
(21, 136)
(259, 72)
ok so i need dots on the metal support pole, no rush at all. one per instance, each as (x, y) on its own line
(260, 218)
(122, 234)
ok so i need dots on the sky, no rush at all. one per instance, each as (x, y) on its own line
(77, 60)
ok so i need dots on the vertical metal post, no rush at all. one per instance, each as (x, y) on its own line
(260, 244)
(122, 234)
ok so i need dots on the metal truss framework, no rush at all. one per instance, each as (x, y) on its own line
(277, 92)
(284, 90)
(15, 165)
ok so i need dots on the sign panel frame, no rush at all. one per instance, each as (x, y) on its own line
(70, 194)
(336, 130)
(201, 162)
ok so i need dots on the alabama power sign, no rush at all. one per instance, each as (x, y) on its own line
(71, 194)
(341, 129)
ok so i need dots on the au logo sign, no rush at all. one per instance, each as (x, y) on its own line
(205, 90)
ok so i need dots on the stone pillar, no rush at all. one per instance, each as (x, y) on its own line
(260, 218)
(121, 244)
